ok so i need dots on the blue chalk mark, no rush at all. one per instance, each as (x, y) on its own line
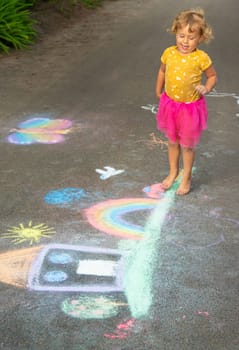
(65, 196)
(60, 258)
(147, 189)
(55, 276)
(74, 197)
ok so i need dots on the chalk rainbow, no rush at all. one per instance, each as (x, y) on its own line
(108, 216)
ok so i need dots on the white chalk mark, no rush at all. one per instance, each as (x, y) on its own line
(108, 172)
(151, 108)
(188, 247)
(214, 93)
(97, 267)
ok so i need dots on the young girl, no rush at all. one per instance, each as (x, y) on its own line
(182, 113)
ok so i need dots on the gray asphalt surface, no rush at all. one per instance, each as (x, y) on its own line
(170, 279)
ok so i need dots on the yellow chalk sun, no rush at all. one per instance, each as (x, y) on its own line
(31, 233)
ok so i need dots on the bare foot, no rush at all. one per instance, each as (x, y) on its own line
(184, 187)
(168, 181)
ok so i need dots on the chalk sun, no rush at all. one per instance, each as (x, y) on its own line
(30, 233)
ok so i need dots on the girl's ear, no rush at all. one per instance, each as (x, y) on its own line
(201, 39)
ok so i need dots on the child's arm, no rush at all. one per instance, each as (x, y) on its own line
(211, 77)
(160, 80)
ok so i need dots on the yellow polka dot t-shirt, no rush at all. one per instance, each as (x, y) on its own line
(183, 73)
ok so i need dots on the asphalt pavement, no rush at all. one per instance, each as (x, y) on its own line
(93, 253)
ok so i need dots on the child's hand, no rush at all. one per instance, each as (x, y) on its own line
(201, 89)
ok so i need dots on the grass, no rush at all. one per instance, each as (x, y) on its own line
(16, 25)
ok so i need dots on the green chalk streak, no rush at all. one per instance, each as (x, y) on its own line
(142, 258)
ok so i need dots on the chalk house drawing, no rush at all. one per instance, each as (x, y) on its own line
(40, 130)
(71, 268)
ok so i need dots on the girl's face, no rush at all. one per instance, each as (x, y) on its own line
(186, 40)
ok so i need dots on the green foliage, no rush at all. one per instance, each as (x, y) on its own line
(30, 2)
(16, 25)
(86, 3)
(90, 3)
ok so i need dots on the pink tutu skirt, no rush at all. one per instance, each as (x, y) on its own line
(182, 122)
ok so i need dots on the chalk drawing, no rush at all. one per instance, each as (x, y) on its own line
(15, 265)
(123, 330)
(40, 130)
(142, 258)
(73, 197)
(217, 213)
(184, 245)
(155, 191)
(154, 142)
(203, 313)
(90, 307)
(152, 108)
(97, 267)
(55, 276)
(208, 154)
(31, 233)
(58, 257)
(56, 267)
(214, 93)
(199, 312)
(68, 268)
(108, 216)
(64, 196)
(108, 172)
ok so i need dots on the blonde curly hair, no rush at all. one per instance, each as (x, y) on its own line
(195, 19)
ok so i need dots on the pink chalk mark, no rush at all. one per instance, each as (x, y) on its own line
(154, 191)
(40, 130)
(203, 313)
(122, 330)
(117, 335)
(127, 325)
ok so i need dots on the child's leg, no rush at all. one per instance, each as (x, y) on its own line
(173, 158)
(188, 159)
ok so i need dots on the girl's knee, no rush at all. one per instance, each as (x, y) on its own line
(173, 144)
(187, 149)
